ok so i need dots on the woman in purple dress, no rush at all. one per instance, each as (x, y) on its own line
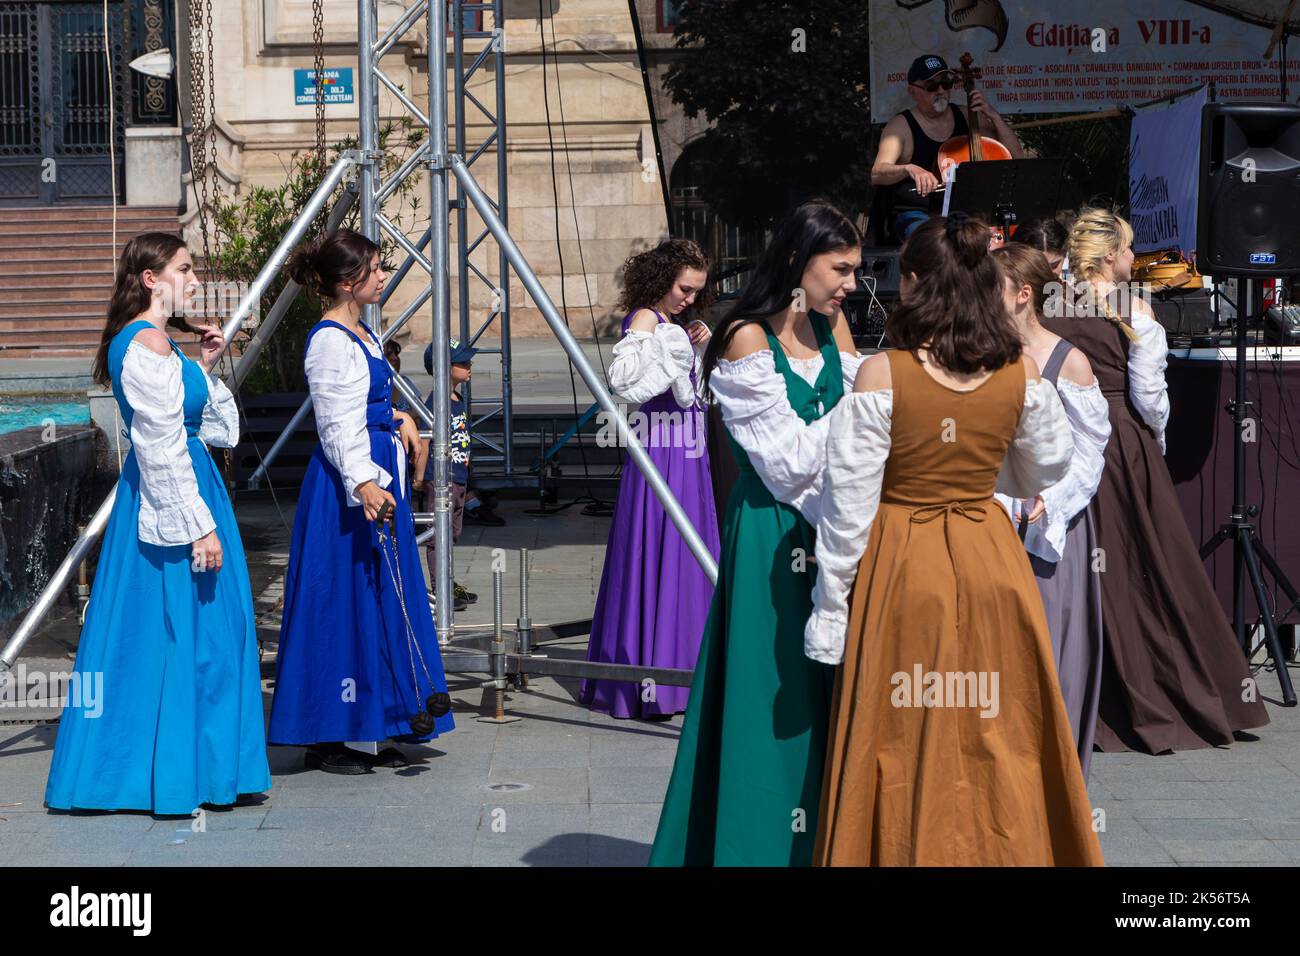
(653, 595)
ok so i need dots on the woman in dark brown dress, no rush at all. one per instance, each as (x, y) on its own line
(1173, 677)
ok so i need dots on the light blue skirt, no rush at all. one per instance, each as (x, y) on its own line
(177, 719)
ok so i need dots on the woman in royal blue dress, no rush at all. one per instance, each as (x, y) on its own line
(358, 661)
(169, 636)
(654, 596)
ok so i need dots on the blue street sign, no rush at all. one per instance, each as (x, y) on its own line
(338, 86)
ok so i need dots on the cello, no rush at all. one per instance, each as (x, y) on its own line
(972, 146)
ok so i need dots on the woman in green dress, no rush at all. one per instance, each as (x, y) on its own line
(747, 778)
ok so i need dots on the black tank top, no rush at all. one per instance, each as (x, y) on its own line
(925, 153)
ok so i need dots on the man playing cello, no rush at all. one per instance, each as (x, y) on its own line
(909, 146)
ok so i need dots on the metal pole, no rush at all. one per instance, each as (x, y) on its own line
(368, 113)
(634, 449)
(462, 210)
(524, 625)
(59, 580)
(440, 282)
(503, 269)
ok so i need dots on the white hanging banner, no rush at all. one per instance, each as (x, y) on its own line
(1037, 58)
(1163, 174)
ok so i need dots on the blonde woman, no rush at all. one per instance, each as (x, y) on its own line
(1173, 677)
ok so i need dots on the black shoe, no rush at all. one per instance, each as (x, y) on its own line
(335, 758)
(464, 594)
(482, 515)
(388, 757)
(458, 603)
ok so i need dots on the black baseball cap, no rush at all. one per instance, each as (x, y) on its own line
(926, 66)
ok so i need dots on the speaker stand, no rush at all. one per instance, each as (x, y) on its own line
(1247, 550)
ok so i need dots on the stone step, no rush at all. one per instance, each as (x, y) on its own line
(81, 323)
(57, 264)
(54, 308)
(95, 213)
(58, 288)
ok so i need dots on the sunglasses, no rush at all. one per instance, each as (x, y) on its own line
(933, 86)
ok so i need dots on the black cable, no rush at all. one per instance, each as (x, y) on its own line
(559, 248)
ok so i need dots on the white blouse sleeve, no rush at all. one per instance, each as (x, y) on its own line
(856, 452)
(849, 365)
(788, 454)
(339, 378)
(1089, 416)
(172, 512)
(220, 425)
(1147, 358)
(647, 364)
(1041, 449)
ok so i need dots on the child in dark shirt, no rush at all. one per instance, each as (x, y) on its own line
(461, 360)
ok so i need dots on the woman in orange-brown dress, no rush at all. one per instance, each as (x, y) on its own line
(949, 744)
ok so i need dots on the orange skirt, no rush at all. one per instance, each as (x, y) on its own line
(950, 744)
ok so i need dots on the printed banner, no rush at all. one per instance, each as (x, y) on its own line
(1163, 174)
(1036, 60)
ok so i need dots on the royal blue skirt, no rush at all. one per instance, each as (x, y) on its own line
(346, 668)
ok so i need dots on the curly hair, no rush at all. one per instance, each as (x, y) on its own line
(649, 276)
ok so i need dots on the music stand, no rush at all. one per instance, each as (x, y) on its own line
(1004, 192)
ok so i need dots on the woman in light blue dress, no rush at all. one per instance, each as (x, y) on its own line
(167, 710)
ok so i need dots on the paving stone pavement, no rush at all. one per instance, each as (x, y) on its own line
(564, 786)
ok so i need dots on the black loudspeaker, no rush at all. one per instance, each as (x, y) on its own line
(1250, 190)
(880, 264)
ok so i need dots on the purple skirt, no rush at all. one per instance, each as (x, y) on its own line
(654, 597)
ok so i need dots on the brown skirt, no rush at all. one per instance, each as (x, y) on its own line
(1173, 677)
(950, 744)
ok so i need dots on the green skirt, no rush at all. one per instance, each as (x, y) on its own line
(746, 783)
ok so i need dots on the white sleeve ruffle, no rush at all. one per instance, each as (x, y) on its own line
(647, 364)
(849, 365)
(857, 449)
(1147, 359)
(1040, 451)
(220, 425)
(1089, 416)
(172, 512)
(788, 454)
(339, 378)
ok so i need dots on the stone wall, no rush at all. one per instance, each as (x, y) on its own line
(46, 489)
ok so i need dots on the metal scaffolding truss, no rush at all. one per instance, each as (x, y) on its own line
(371, 191)
(489, 61)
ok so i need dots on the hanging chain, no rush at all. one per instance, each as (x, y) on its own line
(318, 54)
(203, 109)
(395, 572)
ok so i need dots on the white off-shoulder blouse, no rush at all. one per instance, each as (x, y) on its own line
(857, 448)
(647, 364)
(338, 376)
(1147, 358)
(788, 454)
(1089, 416)
(172, 512)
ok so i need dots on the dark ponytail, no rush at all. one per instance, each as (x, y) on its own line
(323, 263)
(149, 251)
(954, 309)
